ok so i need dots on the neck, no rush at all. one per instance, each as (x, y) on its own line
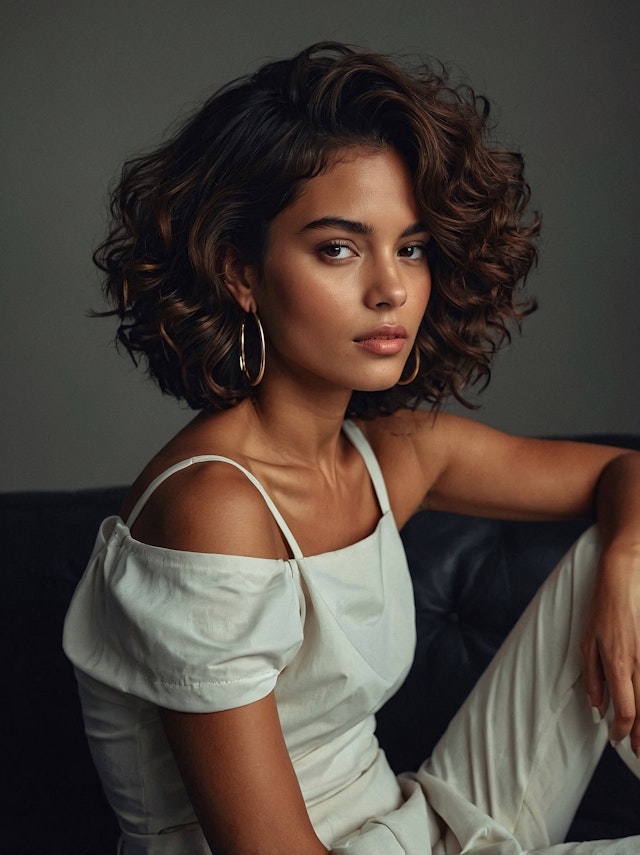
(298, 425)
(305, 434)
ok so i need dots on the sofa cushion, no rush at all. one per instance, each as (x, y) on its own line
(54, 802)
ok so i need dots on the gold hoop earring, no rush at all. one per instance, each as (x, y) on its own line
(243, 358)
(414, 373)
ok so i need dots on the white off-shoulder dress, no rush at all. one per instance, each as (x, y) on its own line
(333, 635)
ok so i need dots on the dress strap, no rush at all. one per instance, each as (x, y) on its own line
(206, 458)
(360, 442)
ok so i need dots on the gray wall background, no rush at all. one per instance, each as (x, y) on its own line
(87, 84)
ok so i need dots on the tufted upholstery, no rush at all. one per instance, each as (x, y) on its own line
(52, 801)
(472, 578)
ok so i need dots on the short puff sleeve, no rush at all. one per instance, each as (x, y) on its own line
(189, 631)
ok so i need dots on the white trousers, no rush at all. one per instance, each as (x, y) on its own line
(523, 746)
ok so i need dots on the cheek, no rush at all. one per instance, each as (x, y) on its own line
(285, 303)
(423, 293)
(301, 291)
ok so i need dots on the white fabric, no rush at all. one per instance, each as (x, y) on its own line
(188, 632)
(508, 774)
(334, 633)
(149, 626)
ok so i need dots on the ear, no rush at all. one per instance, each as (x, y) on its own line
(240, 279)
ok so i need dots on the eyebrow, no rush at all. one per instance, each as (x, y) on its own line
(356, 226)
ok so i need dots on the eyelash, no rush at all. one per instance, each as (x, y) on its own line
(327, 247)
(421, 246)
(334, 244)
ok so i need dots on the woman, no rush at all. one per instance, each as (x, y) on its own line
(332, 237)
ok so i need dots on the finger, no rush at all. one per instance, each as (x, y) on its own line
(624, 703)
(593, 679)
(635, 730)
(605, 703)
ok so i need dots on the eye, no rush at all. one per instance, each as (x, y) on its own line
(414, 251)
(335, 250)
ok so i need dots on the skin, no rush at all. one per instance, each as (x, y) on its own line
(345, 257)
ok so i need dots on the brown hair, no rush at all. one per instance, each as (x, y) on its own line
(242, 158)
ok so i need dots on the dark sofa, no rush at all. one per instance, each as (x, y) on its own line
(472, 579)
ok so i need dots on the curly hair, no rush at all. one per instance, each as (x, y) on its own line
(244, 156)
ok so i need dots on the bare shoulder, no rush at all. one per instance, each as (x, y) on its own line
(456, 464)
(408, 435)
(210, 506)
(440, 437)
(411, 447)
(398, 428)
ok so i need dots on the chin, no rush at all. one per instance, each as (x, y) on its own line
(373, 386)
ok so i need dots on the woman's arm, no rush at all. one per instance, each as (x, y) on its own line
(449, 463)
(237, 772)
(534, 478)
(455, 464)
(234, 763)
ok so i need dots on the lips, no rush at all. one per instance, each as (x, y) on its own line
(385, 332)
(384, 340)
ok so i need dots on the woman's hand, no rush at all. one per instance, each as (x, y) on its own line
(611, 643)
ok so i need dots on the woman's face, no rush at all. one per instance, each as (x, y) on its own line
(345, 280)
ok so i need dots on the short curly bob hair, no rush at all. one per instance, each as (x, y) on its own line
(243, 157)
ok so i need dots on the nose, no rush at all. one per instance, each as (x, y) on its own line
(385, 288)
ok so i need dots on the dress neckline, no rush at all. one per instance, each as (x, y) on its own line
(353, 434)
